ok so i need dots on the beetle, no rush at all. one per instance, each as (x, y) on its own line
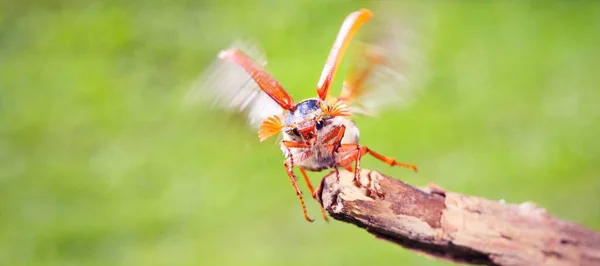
(317, 133)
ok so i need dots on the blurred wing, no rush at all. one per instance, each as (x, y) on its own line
(383, 72)
(226, 85)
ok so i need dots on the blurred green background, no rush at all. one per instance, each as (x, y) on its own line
(100, 164)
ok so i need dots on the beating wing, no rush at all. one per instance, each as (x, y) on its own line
(384, 71)
(225, 85)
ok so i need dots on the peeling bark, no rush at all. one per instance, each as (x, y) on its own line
(456, 227)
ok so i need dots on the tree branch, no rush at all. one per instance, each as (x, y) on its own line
(456, 227)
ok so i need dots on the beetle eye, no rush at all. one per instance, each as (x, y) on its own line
(295, 131)
(319, 124)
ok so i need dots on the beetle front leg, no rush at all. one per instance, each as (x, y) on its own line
(338, 138)
(289, 164)
(294, 144)
(337, 134)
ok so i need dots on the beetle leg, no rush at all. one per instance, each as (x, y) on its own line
(335, 134)
(345, 162)
(289, 164)
(353, 156)
(308, 184)
(293, 144)
(312, 191)
(357, 166)
(338, 138)
(364, 150)
(388, 160)
(359, 152)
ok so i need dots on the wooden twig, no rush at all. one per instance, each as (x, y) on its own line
(455, 227)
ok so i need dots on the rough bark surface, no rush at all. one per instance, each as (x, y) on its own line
(455, 227)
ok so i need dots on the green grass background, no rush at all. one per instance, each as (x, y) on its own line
(100, 164)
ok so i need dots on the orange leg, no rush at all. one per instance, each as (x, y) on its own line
(337, 134)
(388, 160)
(312, 191)
(354, 156)
(345, 162)
(289, 164)
(294, 144)
(338, 139)
(360, 151)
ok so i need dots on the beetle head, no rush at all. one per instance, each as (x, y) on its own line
(304, 121)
